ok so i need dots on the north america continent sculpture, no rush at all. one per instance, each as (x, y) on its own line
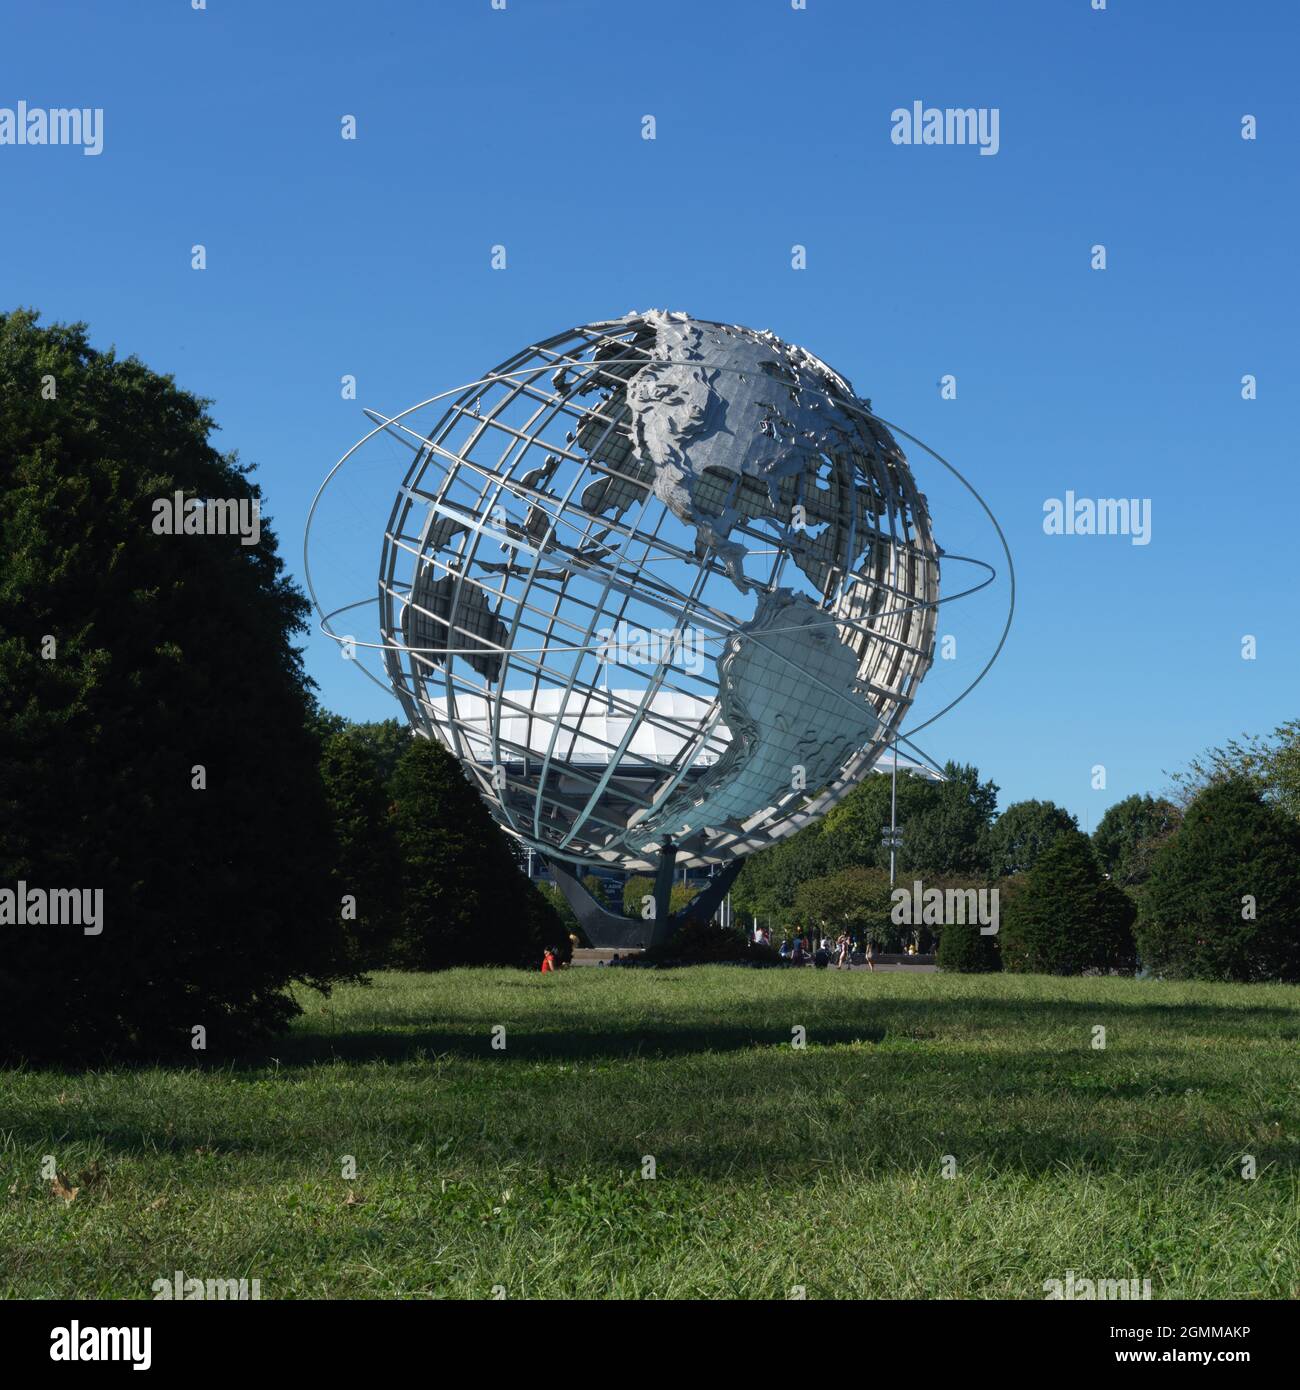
(665, 587)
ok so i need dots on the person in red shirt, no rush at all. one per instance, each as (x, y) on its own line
(548, 961)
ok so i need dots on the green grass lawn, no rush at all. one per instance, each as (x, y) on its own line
(777, 1167)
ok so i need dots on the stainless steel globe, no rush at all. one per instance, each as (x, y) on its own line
(658, 581)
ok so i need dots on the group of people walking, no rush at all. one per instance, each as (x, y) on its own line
(821, 950)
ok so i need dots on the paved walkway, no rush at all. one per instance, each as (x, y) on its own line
(585, 956)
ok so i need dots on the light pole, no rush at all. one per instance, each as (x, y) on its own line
(893, 814)
(889, 835)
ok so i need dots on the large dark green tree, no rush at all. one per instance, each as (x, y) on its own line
(365, 866)
(853, 900)
(154, 739)
(1129, 835)
(945, 829)
(1223, 898)
(464, 899)
(386, 739)
(766, 884)
(945, 824)
(1022, 832)
(1066, 917)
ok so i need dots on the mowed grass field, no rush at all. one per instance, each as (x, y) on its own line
(777, 1168)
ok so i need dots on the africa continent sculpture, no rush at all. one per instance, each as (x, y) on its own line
(665, 587)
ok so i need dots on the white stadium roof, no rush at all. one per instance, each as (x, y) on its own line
(593, 723)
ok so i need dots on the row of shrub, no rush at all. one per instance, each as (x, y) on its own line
(1221, 901)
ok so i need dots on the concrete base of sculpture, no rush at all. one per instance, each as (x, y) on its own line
(604, 928)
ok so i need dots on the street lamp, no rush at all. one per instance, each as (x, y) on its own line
(890, 835)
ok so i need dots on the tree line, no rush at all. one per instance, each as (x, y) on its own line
(1203, 883)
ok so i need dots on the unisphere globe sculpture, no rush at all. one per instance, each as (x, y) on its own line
(661, 585)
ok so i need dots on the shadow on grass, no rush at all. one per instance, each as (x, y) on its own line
(570, 1036)
(1009, 1084)
(1041, 1114)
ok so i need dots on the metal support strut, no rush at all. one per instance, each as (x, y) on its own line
(610, 929)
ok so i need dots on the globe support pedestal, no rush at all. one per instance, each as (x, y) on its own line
(664, 880)
(604, 928)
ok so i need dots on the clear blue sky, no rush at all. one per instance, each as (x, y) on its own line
(523, 127)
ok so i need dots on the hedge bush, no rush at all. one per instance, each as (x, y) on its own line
(1223, 898)
(1067, 917)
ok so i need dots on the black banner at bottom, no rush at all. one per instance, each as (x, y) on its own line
(1046, 1337)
